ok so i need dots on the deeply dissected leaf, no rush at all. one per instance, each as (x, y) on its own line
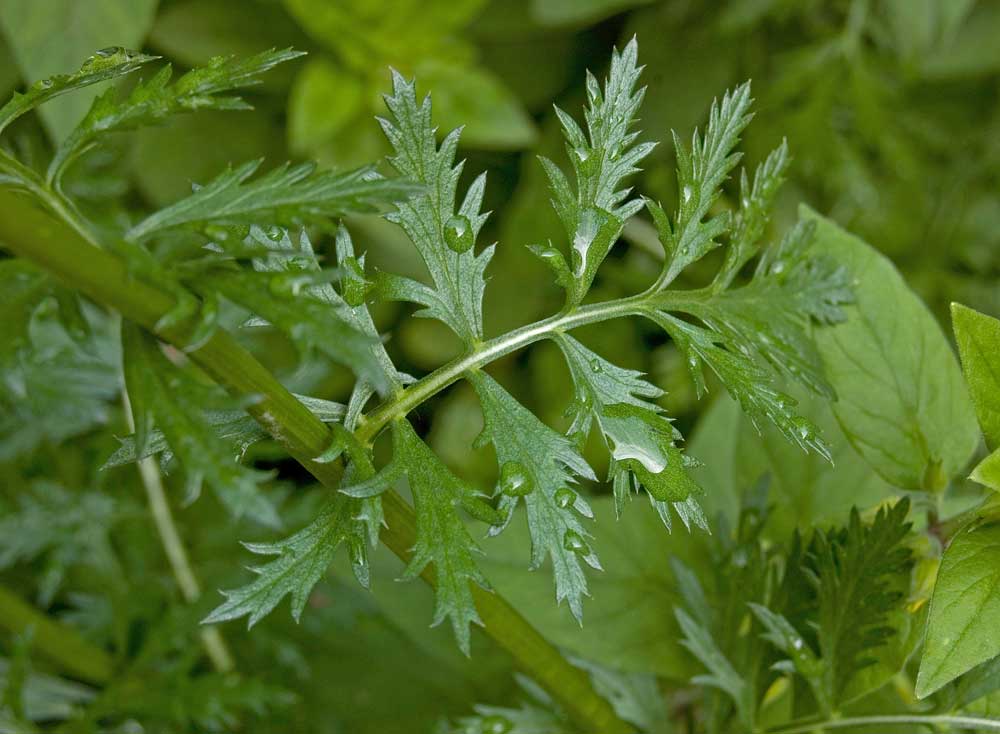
(722, 675)
(901, 398)
(302, 560)
(861, 576)
(153, 101)
(442, 538)
(965, 609)
(289, 196)
(541, 467)
(594, 214)
(163, 395)
(641, 438)
(310, 322)
(701, 170)
(443, 232)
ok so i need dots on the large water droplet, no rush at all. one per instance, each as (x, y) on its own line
(595, 366)
(565, 497)
(804, 429)
(687, 193)
(573, 541)
(458, 234)
(515, 480)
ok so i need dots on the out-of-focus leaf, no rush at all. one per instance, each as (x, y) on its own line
(194, 31)
(636, 588)
(323, 100)
(49, 38)
(474, 98)
(162, 394)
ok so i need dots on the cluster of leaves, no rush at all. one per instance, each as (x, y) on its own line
(795, 615)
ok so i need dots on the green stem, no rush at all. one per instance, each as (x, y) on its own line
(409, 398)
(34, 235)
(57, 642)
(956, 722)
(211, 638)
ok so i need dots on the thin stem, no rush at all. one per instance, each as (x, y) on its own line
(409, 398)
(57, 642)
(211, 637)
(955, 722)
(102, 276)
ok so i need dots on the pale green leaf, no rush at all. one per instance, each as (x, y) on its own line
(901, 399)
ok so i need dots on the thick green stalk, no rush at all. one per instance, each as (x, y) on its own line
(57, 642)
(33, 234)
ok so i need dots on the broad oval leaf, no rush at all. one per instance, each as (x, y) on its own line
(965, 609)
(901, 401)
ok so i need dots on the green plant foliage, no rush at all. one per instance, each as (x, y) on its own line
(963, 610)
(911, 418)
(237, 308)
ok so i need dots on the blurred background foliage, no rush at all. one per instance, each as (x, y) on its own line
(892, 114)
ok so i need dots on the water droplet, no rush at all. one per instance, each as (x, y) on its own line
(797, 643)
(356, 550)
(582, 153)
(565, 497)
(573, 541)
(803, 428)
(45, 84)
(778, 268)
(109, 51)
(595, 366)
(495, 725)
(355, 288)
(687, 193)
(515, 480)
(458, 234)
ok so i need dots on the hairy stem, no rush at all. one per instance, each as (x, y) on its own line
(211, 638)
(57, 642)
(971, 723)
(50, 244)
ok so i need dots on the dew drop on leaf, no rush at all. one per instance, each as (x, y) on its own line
(573, 541)
(565, 497)
(515, 480)
(458, 234)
